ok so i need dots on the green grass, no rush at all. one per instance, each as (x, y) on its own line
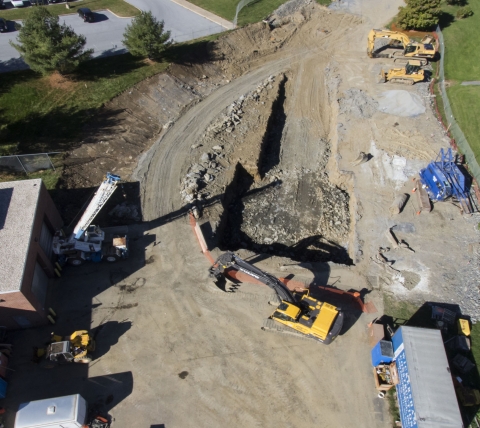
(465, 102)
(38, 116)
(119, 7)
(49, 177)
(254, 12)
(462, 41)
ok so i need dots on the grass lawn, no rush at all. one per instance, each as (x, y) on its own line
(254, 12)
(41, 114)
(462, 40)
(119, 7)
(465, 102)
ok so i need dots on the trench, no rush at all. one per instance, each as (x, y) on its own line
(271, 142)
(251, 220)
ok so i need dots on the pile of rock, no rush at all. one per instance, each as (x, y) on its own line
(200, 174)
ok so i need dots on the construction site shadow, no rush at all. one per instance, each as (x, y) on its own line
(423, 318)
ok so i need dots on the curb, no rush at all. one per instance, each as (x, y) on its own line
(205, 14)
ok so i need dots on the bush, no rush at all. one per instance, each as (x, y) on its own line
(464, 12)
(419, 14)
(145, 37)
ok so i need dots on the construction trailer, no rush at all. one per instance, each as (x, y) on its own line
(60, 412)
(425, 390)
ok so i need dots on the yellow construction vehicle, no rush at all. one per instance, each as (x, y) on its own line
(410, 74)
(74, 348)
(314, 319)
(395, 39)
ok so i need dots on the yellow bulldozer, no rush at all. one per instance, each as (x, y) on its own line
(423, 51)
(410, 74)
(75, 348)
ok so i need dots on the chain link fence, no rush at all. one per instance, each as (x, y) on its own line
(453, 128)
(26, 164)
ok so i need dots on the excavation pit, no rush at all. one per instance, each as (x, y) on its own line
(302, 216)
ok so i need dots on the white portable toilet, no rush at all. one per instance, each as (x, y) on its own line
(61, 412)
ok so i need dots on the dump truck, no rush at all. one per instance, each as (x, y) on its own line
(310, 317)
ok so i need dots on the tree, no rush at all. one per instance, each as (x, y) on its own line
(46, 45)
(419, 14)
(146, 37)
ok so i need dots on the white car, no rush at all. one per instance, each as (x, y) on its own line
(17, 3)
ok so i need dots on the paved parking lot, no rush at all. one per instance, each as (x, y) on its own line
(106, 33)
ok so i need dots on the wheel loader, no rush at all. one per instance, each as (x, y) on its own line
(410, 74)
(422, 51)
(72, 349)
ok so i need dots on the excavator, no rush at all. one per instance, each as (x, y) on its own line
(314, 319)
(410, 74)
(72, 349)
(422, 51)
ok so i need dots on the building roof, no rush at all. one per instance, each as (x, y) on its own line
(18, 205)
(426, 394)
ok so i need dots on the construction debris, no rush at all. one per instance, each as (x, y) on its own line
(398, 204)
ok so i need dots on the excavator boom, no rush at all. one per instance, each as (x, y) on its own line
(314, 319)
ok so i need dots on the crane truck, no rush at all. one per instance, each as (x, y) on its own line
(312, 318)
(87, 242)
(422, 51)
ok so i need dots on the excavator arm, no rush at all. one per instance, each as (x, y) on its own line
(393, 36)
(230, 260)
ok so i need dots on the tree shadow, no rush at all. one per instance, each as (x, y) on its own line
(445, 20)
(55, 130)
(11, 66)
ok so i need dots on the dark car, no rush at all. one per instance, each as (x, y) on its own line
(2, 6)
(86, 14)
(3, 26)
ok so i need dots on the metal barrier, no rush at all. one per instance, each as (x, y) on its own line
(458, 139)
(30, 163)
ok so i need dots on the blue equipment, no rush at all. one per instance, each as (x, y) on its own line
(443, 179)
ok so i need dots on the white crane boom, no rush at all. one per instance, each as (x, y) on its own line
(102, 195)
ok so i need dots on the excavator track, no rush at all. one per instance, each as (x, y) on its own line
(271, 326)
(404, 60)
(403, 81)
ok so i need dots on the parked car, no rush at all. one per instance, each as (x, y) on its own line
(2, 5)
(3, 25)
(17, 3)
(86, 14)
(55, 1)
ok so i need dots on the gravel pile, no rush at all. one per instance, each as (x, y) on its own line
(357, 103)
(401, 103)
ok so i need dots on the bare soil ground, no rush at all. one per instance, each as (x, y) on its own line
(260, 132)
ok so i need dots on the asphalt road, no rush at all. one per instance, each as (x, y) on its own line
(106, 33)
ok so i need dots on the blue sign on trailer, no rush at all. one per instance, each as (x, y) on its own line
(404, 388)
(426, 396)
